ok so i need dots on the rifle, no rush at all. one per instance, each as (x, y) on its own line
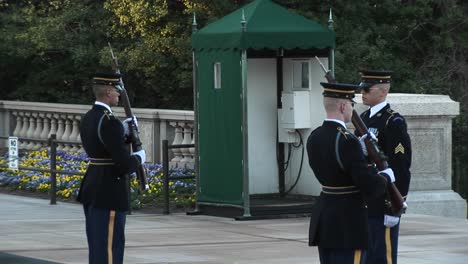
(397, 203)
(134, 137)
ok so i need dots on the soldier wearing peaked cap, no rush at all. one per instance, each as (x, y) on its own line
(103, 191)
(391, 131)
(338, 225)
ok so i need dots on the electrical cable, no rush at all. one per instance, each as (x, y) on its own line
(301, 143)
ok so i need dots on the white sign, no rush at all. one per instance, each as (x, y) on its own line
(13, 153)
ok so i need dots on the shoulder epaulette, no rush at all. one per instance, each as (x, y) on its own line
(393, 113)
(344, 132)
(109, 115)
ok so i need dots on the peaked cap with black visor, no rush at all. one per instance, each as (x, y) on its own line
(111, 79)
(339, 90)
(371, 78)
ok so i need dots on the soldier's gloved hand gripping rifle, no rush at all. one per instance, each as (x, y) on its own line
(397, 203)
(134, 137)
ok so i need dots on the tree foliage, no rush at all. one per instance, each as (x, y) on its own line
(49, 48)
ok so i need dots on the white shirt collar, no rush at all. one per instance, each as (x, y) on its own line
(103, 104)
(337, 121)
(376, 108)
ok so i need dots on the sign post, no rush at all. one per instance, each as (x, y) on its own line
(13, 153)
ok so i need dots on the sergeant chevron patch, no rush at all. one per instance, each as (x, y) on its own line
(400, 149)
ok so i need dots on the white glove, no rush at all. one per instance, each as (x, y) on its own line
(126, 124)
(363, 143)
(389, 173)
(391, 221)
(142, 155)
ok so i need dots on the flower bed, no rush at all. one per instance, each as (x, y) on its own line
(181, 192)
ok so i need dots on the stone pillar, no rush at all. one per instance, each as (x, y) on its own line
(429, 119)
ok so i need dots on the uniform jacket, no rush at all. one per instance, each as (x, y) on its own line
(105, 184)
(393, 139)
(336, 157)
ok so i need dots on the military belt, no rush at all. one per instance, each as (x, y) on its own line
(100, 161)
(339, 190)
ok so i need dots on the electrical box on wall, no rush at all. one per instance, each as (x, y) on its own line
(286, 135)
(295, 114)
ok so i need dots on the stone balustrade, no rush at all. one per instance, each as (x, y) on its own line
(37, 121)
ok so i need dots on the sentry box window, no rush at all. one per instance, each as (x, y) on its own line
(217, 75)
(300, 74)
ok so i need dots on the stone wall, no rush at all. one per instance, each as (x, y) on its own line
(429, 119)
(33, 120)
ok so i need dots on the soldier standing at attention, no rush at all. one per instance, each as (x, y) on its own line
(104, 189)
(338, 225)
(391, 131)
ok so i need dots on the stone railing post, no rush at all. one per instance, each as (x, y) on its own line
(24, 128)
(67, 132)
(45, 128)
(178, 138)
(187, 160)
(18, 123)
(74, 136)
(31, 130)
(60, 130)
(38, 130)
(53, 124)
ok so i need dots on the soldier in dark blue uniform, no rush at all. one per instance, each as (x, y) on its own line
(391, 131)
(104, 189)
(338, 225)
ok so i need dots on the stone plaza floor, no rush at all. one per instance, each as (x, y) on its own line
(32, 231)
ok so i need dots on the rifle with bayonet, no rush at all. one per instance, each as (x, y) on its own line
(134, 137)
(397, 203)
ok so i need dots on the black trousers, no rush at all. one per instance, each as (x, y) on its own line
(105, 230)
(341, 256)
(383, 242)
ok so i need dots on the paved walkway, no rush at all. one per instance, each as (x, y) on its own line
(31, 231)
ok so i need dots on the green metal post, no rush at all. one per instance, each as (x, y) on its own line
(195, 116)
(53, 167)
(166, 175)
(245, 193)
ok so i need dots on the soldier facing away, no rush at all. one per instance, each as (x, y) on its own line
(338, 225)
(104, 189)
